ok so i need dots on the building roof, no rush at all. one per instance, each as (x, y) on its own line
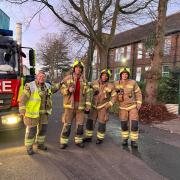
(139, 33)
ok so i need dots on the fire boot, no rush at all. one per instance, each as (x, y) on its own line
(30, 150)
(42, 147)
(134, 144)
(63, 146)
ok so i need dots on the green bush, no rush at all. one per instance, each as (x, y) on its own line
(168, 89)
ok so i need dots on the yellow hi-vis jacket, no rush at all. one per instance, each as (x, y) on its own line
(34, 102)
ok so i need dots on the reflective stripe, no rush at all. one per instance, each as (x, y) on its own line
(119, 86)
(88, 133)
(95, 86)
(29, 142)
(124, 134)
(88, 103)
(63, 140)
(138, 89)
(114, 94)
(107, 89)
(128, 108)
(101, 106)
(88, 90)
(140, 102)
(70, 81)
(42, 111)
(78, 139)
(22, 107)
(40, 139)
(134, 135)
(100, 135)
(67, 106)
(81, 107)
(129, 86)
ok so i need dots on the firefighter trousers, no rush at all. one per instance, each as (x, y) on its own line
(35, 132)
(129, 124)
(67, 119)
(102, 115)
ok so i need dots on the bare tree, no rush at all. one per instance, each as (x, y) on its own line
(154, 74)
(53, 54)
(106, 16)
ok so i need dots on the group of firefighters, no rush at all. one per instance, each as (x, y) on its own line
(81, 99)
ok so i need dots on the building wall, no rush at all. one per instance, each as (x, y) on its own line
(4, 20)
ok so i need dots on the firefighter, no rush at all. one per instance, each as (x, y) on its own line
(104, 96)
(130, 100)
(76, 102)
(35, 105)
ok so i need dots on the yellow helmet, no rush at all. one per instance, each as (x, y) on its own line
(124, 70)
(107, 71)
(78, 63)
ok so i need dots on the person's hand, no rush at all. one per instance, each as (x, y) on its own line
(71, 89)
(138, 106)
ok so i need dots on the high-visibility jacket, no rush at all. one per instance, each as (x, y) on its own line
(129, 94)
(106, 94)
(35, 101)
(68, 98)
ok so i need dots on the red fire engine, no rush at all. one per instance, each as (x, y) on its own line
(11, 79)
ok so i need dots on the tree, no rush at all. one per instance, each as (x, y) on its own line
(154, 74)
(106, 13)
(53, 54)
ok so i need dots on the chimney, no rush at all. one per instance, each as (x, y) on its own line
(19, 33)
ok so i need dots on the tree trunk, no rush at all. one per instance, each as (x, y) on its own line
(103, 54)
(154, 74)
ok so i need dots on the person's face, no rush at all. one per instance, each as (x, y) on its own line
(78, 70)
(104, 77)
(41, 78)
(124, 76)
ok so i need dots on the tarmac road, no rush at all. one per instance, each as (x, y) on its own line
(158, 156)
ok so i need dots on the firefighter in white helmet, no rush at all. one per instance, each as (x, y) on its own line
(130, 100)
(104, 96)
(76, 102)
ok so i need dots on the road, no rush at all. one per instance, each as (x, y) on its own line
(158, 156)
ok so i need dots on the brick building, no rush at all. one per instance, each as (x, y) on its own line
(128, 49)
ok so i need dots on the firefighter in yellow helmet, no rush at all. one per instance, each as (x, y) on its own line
(35, 105)
(130, 100)
(76, 102)
(104, 96)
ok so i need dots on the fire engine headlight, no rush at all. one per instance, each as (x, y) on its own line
(10, 119)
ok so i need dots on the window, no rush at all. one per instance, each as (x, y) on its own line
(116, 74)
(139, 51)
(94, 57)
(138, 73)
(119, 54)
(165, 70)
(167, 45)
(128, 52)
(147, 68)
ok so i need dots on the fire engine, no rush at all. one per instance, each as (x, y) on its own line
(12, 79)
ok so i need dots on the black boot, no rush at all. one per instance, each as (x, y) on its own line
(99, 141)
(125, 142)
(81, 145)
(134, 144)
(42, 147)
(63, 146)
(30, 151)
(87, 139)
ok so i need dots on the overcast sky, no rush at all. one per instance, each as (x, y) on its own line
(43, 23)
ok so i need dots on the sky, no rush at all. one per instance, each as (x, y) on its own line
(43, 23)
